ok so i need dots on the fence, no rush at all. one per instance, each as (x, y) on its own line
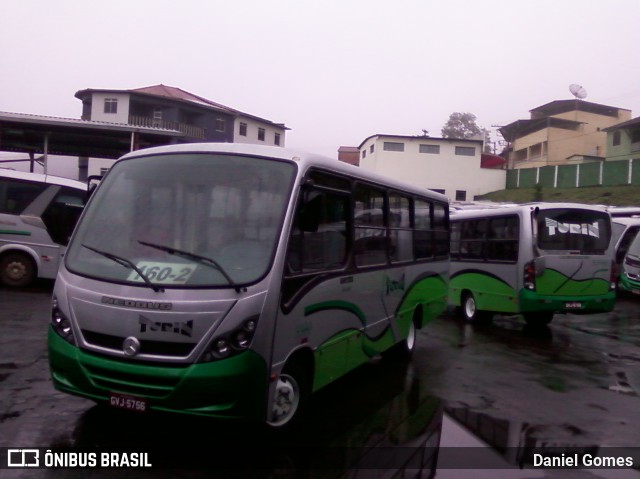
(613, 173)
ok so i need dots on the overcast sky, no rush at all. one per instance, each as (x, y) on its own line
(335, 72)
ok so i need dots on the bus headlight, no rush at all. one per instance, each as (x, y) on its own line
(232, 343)
(61, 323)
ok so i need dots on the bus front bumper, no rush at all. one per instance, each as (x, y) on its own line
(627, 284)
(530, 301)
(233, 388)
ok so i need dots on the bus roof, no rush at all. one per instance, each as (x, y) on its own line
(524, 207)
(304, 159)
(41, 178)
(624, 211)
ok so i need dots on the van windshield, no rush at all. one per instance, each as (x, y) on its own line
(586, 231)
(634, 248)
(184, 220)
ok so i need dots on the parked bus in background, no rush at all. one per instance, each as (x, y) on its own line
(232, 281)
(629, 280)
(37, 216)
(533, 259)
(623, 232)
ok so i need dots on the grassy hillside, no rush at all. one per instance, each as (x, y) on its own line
(599, 195)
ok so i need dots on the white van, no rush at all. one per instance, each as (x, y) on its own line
(37, 216)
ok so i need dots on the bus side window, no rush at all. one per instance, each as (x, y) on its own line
(16, 195)
(472, 244)
(625, 242)
(318, 240)
(61, 215)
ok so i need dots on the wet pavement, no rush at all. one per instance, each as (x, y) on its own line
(499, 388)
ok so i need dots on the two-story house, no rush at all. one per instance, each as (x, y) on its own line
(623, 140)
(171, 108)
(446, 165)
(561, 132)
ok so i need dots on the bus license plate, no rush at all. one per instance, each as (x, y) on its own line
(130, 403)
(635, 291)
(573, 305)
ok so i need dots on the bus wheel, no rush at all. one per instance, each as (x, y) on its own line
(17, 270)
(470, 309)
(541, 318)
(290, 394)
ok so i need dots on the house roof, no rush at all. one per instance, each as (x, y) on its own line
(179, 94)
(562, 106)
(491, 161)
(419, 137)
(625, 124)
(521, 128)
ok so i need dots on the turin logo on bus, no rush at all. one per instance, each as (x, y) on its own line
(572, 228)
(184, 328)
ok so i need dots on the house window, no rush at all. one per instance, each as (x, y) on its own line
(461, 195)
(220, 125)
(111, 105)
(371, 149)
(432, 149)
(276, 139)
(157, 117)
(393, 146)
(616, 138)
(437, 190)
(465, 150)
(261, 134)
(364, 154)
(243, 129)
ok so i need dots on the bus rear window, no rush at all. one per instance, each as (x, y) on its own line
(573, 230)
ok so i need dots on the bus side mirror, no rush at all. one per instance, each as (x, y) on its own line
(92, 184)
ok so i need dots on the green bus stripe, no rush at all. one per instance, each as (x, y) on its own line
(15, 232)
(343, 305)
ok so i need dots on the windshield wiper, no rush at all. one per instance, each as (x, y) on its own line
(193, 256)
(127, 264)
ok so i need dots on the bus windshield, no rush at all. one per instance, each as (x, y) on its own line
(586, 231)
(184, 220)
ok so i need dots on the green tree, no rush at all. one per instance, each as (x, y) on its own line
(462, 126)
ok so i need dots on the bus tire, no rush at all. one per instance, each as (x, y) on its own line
(17, 270)
(405, 348)
(539, 319)
(470, 310)
(290, 396)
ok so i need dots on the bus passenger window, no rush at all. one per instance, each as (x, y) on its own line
(371, 245)
(318, 240)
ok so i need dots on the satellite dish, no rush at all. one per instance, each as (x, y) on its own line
(578, 91)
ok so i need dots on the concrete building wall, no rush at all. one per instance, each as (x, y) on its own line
(97, 107)
(452, 173)
(252, 127)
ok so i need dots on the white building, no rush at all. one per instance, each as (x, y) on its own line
(449, 166)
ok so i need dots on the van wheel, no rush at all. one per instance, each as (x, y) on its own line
(17, 270)
(289, 398)
(470, 310)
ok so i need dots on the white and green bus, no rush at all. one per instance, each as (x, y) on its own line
(534, 259)
(37, 216)
(232, 280)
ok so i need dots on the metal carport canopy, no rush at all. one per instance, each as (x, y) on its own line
(24, 133)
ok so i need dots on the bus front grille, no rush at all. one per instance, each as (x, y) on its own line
(132, 383)
(156, 348)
